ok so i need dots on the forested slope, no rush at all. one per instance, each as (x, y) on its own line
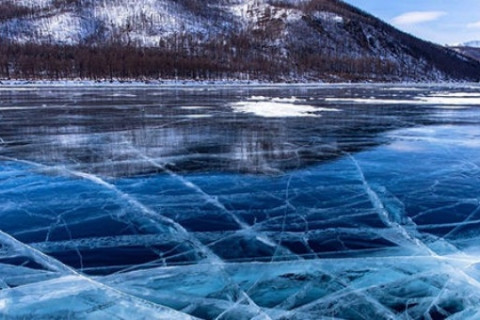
(276, 40)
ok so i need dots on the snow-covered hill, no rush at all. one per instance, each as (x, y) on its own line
(301, 39)
(469, 51)
(144, 22)
(473, 44)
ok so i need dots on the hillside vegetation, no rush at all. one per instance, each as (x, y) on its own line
(275, 40)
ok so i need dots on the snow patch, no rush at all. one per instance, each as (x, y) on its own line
(197, 116)
(240, 10)
(369, 101)
(276, 99)
(122, 95)
(33, 3)
(270, 109)
(457, 94)
(287, 100)
(65, 28)
(193, 108)
(294, 15)
(448, 100)
(278, 108)
(259, 98)
(328, 16)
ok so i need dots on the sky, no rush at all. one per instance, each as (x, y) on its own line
(440, 21)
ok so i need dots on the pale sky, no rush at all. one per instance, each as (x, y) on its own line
(440, 21)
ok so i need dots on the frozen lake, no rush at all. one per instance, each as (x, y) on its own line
(273, 202)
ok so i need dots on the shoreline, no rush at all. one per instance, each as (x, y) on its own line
(209, 83)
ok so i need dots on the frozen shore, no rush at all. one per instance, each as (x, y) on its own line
(140, 83)
(203, 83)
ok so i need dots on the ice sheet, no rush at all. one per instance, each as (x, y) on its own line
(129, 203)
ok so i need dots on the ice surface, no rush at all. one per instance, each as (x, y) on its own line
(441, 99)
(151, 203)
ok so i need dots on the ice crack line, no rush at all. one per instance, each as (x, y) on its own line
(284, 218)
(213, 200)
(464, 222)
(135, 203)
(64, 270)
(38, 256)
(213, 258)
(383, 212)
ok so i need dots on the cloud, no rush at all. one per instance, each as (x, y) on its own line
(416, 17)
(474, 25)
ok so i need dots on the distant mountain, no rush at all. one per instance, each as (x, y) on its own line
(278, 40)
(470, 49)
(473, 44)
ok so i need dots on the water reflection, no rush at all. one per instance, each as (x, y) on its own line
(105, 130)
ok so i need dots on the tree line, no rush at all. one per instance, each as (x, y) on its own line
(236, 58)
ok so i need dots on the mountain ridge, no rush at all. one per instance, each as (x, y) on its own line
(472, 44)
(278, 40)
(468, 51)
